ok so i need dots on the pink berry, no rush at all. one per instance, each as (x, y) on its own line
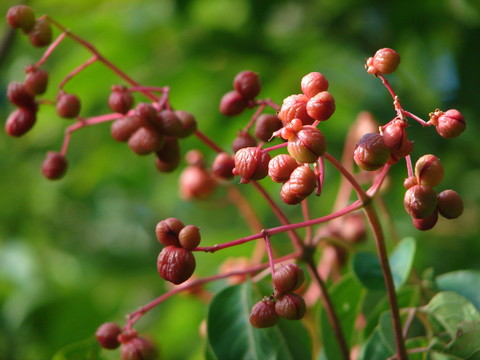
(36, 80)
(146, 140)
(395, 137)
(295, 107)
(321, 106)
(313, 83)
(281, 167)
(167, 231)
(196, 183)
(429, 170)
(266, 125)
(223, 166)
(121, 129)
(120, 99)
(243, 140)
(420, 201)
(288, 278)
(386, 60)
(107, 335)
(307, 145)
(189, 237)
(290, 306)
(18, 95)
(138, 348)
(21, 16)
(451, 124)
(251, 163)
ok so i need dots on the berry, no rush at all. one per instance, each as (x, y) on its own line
(266, 125)
(18, 95)
(281, 167)
(167, 231)
(395, 137)
(288, 278)
(21, 16)
(426, 223)
(295, 107)
(107, 335)
(451, 124)
(371, 153)
(146, 114)
(263, 314)
(175, 264)
(20, 121)
(189, 124)
(68, 105)
(195, 157)
(384, 61)
(290, 306)
(189, 237)
(233, 103)
(409, 182)
(223, 165)
(169, 124)
(196, 183)
(168, 157)
(120, 99)
(36, 80)
(247, 84)
(41, 33)
(123, 128)
(307, 145)
(420, 201)
(243, 140)
(450, 204)
(251, 163)
(146, 140)
(313, 83)
(429, 170)
(54, 166)
(138, 348)
(301, 184)
(321, 106)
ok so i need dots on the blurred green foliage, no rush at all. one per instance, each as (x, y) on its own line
(81, 251)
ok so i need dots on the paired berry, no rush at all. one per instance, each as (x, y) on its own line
(36, 80)
(314, 83)
(233, 103)
(20, 121)
(429, 170)
(68, 105)
(301, 184)
(18, 95)
(123, 128)
(168, 123)
(175, 264)
(247, 84)
(266, 125)
(385, 61)
(426, 223)
(188, 122)
(41, 33)
(395, 137)
(420, 201)
(290, 306)
(263, 314)
(54, 166)
(146, 140)
(120, 99)
(168, 157)
(251, 163)
(371, 153)
(281, 167)
(21, 17)
(321, 106)
(450, 204)
(288, 278)
(167, 231)
(307, 145)
(107, 335)
(243, 140)
(295, 107)
(189, 237)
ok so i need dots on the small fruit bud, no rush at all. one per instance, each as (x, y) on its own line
(288, 278)
(196, 183)
(18, 95)
(409, 182)
(295, 107)
(451, 124)
(371, 153)
(321, 106)
(223, 165)
(263, 314)
(247, 84)
(290, 306)
(138, 348)
(54, 166)
(420, 201)
(120, 99)
(68, 105)
(395, 137)
(36, 80)
(41, 33)
(426, 223)
(243, 140)
(450, 204)
(266, 125)
(189, 124)
(175, 264)
(429, 170)
(313, 83)
(20, 121)
(307, 145)
(281, 167)
(251, 163)
(386, 60)
(107, 335)
(146, 140)
(167, 231)
(21, 17)
(233, 103)
(189, 237)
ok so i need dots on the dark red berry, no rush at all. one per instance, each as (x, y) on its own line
(41, 33)
(420, 201)
(321, 107)
(146, 140)
(54, 166)
(36, 80)
(301, 184)
(189, 124)
(266, 125)
(223, 165)
(307, 145)
(21, 16)
(189, 237)
(233, 103)
(295, 107)
(395, 137)
(247, 84)
(450, 204)
(138, 348)
(107, 335)
(168, 157)
(18, 95)
(263, 314)
(290, 306)
(251, 163)
(167, 231)
(429, 170)
(196, 183)
(68, 105)
(20, 121)
(123, 128)
(169, 124)
(243, 140)
(281, 167)
(120, 99)
(426, 223)
(288, 278)
(371, 153)
(313, 83)
(175, 264)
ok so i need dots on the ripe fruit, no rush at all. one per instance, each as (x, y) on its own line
(107, 335)
(266, 125)
(420, 201)
(307, 145)
(20, 121)
(41, 33)
(429, 170)
(247, 84)
(138, 348)
(168, 157)
(21, 16)
(426, 223)
(321, 106)
(290, 306)
(189, 124)
(395, 137)
(167, 231)
(450, 124)
(168, 123)
(313, 83)
(295, 107)
(196, 183)
(301, 184)
(251, 163)
(233, 103)
(36, 80)
(384, 61)
(371, 153)
(120, 99)
(68, 105)
(288, 278)
(175, 264)
(263, 314)
(54, 166)
(146, 140)
(20, 96)
(450, 204)
(189, 237)
(223, 165)
(123, 128)
(281, 167)
(243, 140)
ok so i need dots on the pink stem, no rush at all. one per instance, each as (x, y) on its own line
(268, 102)
(408, 160)
(269, 251)
(50, 49)
(78, 70)
(254, 117)
(378, 181)
(415, 117)
(275, 147)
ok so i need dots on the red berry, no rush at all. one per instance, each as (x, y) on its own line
(146, 114)
(386, 60)
(233, 103)
(120, 99)
(41, 34)
(138, 348)
(169, 124)
(243, 140)
(371, 153)
(451, 124)
(395, 137)
(36, 80)
(301, 184)
(223, 165)
(263, 314)
(20, 121)
(321, 106)
(123, 128)
(19, 95)
(21, 16)
(288, 278)
(196, 183)
(281, 167)
(420, 201)
(189, 237)
(189, 124)
(167, 231)
(168, 157)
(146, 140)
(295, 107)
(307, 145)
(266, 125)
(107, 335)
(175, 264)
(68, 105)
(290, 306)
(251, 163)
(313, 83)
(450, 204)
(247, 84)
(54, 166)
(429, 170)
(426, 223)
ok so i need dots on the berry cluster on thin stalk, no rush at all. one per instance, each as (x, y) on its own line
(155, 127)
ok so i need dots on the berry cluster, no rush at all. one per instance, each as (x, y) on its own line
(246, 87)
(38, 30)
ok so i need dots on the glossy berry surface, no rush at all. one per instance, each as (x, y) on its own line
(233, 103)
(307, 145)
(189, 237)
(281, 167)
(167, 231)
(243, 140)
(36, 80)
(20, 121)
(266, 125)
(107, 335)
(371, 153)
(313, 83)
(263, 314)
(450, 204)
(451, 124)
(288, 278)
(420, 201)
(223, 166)
(321, 106)
(386, 60)
(251, 163)
(295, 107)
(429, 170)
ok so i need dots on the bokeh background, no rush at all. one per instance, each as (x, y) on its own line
(80, 251)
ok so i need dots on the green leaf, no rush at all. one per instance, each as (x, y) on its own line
(381, 343)
(366, 266)
(346, 297)
(467, 342)
(464, 282)
(232, 337)
(88, 349)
